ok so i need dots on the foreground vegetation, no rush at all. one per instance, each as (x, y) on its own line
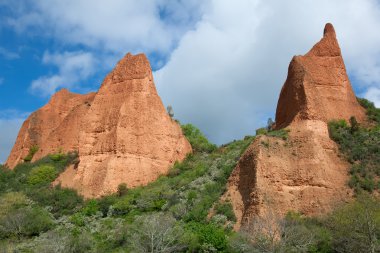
(171, 214)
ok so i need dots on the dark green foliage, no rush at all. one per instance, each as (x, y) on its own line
(197, 140)
(61, 201)
(225, 208)
(361, 146)
(122, 189)
(34, 179)
(373, 113)
(208, 235)
(91, 207)
(354, 124)
(32, 151)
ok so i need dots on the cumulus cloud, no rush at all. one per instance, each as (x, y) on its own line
(226, 75)
(116, 25)
(227, 60)
(73, 67)
(10, 123)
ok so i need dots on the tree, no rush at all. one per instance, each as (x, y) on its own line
(170, 111)
(270, 123)
(271, 232)
(356, 226)
(122, 189)
(354, 124)
(157, 233)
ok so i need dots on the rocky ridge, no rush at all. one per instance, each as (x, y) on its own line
(122, 133)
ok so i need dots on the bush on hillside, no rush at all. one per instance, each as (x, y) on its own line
(43, 174)
(198, 141)
(373, 113)
(361, 146)
(32, 151)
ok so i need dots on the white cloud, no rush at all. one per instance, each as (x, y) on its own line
(226, 75)
(1, 80)
(227, 59)
(10, 123)
(373, 94)
(73, 67)
(117, 25)
(9, 55)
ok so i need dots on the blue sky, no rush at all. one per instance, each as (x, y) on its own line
(220, 63)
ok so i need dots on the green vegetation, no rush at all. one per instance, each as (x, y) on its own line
(373, 113)
(353, 227)
(197, 140)
(43, 174)
(281, 133)
(175, 207)
(361, 147)
(225, 208)
(32, 151)
(180, 212)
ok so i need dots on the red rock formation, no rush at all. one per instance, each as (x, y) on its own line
(53, 127)
(317, 86)
(122, 133)
(304, 173)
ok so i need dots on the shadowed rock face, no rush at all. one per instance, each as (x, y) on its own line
(122, 133)
(304, 173)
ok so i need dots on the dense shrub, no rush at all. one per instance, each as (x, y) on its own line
(32, 151)
(361, 146)
(19, 216)
(61, 201)
(197, 140)
(225, 208)
(261, 131)
(122, 189)
(42, 174)
(373, 113)
(209, 236)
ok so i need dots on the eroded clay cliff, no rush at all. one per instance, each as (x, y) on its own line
(122, 133)
(303, 173)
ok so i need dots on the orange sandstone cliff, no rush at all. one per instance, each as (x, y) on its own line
(122, 133)
(303, 173)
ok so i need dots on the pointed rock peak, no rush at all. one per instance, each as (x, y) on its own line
(61, 95)
(131, 67)
(329, 30)
(317, 86)
(328, 46)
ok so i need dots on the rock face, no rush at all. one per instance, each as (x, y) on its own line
(122, 133)
(303, 173)
(317, 87)
(52, 128)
